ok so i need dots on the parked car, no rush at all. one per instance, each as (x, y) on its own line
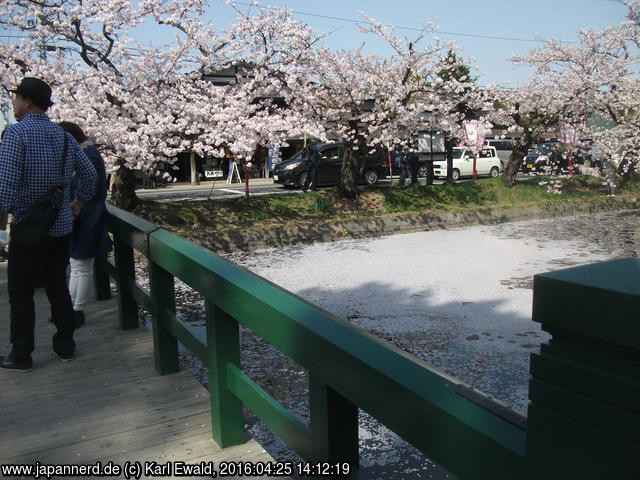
(546, 154)
(293, 172)
(424, 159)
(487, 163)
(504, 147)
(551, 157)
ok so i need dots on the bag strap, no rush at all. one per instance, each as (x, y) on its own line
(64, 156)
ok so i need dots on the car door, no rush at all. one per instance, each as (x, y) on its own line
(329, 164)
(466, 164)
(483, 163)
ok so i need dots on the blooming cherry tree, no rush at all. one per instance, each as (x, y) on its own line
(364, 100)
(599, 76)
(531, 113)
(146, 104)
(114, 88)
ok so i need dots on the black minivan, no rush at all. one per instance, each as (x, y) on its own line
(293, 172)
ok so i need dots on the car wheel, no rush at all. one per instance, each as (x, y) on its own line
(493, 173)
(301, 179)
(422, 171)
(370, 177)
(455, 174)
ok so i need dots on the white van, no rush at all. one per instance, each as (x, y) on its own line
(487, 163)
(504, 147)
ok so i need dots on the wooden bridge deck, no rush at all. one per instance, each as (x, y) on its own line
(107, 405)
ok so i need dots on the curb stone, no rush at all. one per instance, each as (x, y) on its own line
(318, 232)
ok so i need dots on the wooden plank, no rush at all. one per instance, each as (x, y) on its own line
(53, 449)
(94, 411)
(84, 427)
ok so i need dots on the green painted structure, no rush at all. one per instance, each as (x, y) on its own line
(584, 416)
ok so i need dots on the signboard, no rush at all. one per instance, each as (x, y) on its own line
(475, 132)
(570, 134)
(234, 173)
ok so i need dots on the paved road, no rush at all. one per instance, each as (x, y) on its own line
(181, 192)
(174, 193)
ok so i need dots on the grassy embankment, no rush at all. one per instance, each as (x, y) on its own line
(325, 205)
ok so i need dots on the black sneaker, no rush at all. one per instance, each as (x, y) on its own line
(8, 363)
(66, 357)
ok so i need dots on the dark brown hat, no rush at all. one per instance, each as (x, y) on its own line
(35, 89)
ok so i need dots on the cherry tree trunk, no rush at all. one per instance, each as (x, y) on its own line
(123, 191)
(349, 173)
(352, 163)
(515, 162)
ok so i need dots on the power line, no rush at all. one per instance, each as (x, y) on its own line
(415, 29)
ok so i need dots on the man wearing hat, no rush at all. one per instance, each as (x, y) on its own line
(30, 156)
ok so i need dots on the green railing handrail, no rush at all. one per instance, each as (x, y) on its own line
(349, 369)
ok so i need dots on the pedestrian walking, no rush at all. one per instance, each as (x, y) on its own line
(408, 168)
(89, 237)
(312, 164)
(35, 153)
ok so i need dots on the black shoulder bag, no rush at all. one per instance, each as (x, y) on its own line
(33, 227)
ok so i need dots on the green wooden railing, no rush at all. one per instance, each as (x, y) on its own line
(467, 433)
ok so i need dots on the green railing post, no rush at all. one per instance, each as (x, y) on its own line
(102, 280)
(127, 305)
(334, 427)
(164, 304)
(584, 416)
(223, 348)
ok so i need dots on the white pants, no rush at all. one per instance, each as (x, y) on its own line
(80, 281)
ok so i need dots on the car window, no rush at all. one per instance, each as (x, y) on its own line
(486, 153)
(544, 148)
(457, 153)
(298, 156)
(332, 153)
(501, 144)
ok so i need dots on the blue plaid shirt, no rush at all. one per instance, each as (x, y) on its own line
(30, 156)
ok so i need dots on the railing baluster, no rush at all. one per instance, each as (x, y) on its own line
(334, 426)
(223, 347)
(127, 305)
(164, 303)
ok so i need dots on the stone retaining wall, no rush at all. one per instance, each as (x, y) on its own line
(305, 233)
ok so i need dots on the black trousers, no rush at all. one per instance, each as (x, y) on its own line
(311, 177)
(26, 268)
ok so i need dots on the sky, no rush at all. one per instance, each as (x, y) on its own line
(489, 31)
